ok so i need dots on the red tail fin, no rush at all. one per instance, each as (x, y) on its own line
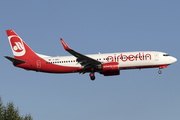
(19, 48)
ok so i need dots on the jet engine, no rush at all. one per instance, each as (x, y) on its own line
(110, 69)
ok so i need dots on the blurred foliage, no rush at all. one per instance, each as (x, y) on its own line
(9, 112)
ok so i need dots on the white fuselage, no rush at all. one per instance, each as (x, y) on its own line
(126, 59)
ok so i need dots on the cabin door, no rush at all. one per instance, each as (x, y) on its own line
(38, 64)
(156, 56)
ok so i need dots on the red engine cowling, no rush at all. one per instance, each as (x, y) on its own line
(109, 69)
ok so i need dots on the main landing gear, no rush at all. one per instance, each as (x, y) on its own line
(92, 76)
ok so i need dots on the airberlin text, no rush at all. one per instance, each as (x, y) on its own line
(131, 57)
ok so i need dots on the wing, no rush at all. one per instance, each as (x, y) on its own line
(85, 61)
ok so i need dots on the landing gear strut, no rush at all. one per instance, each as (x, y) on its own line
(159, 71)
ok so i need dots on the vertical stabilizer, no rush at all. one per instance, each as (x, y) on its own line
(19, 48)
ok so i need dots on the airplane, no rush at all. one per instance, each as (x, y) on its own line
(108, 64)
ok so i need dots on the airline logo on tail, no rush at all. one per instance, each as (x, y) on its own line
(17, 45)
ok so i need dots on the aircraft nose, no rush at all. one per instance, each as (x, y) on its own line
(173, 59)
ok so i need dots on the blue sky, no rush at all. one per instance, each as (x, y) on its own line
(90, 27)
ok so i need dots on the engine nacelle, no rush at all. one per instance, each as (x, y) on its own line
(109, 69)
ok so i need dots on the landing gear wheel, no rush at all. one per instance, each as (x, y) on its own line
(92, 76)
(159, 71)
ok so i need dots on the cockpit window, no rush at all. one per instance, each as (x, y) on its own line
(165, 54)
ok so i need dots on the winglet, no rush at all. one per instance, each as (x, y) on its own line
(64, 44)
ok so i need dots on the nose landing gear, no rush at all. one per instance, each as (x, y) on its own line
(161, 67)
(159, 71)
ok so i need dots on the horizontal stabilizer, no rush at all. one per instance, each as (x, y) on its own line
(14, 60)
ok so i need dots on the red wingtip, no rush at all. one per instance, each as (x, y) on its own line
(64, 44)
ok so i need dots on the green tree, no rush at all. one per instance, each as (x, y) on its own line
(9, 112)
(1, 110)
(28, 117)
